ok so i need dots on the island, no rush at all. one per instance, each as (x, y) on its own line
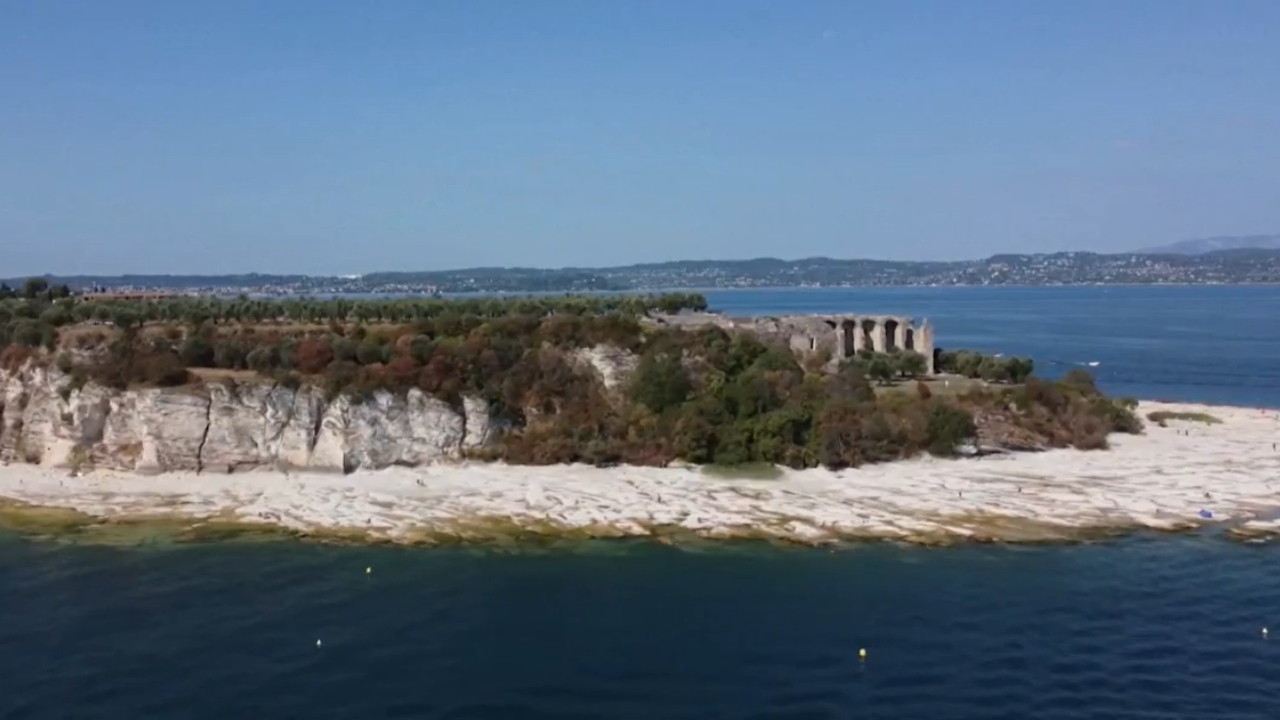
(431, 420)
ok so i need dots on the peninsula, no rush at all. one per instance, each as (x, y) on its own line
(426, 420)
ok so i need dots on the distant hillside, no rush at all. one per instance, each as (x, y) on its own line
(1234, 265)
(1214, 244)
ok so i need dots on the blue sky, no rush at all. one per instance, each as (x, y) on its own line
(329, 136)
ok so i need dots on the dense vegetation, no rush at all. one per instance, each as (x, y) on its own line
(985, 367)
(700, 395)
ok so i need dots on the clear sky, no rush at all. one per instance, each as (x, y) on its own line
(332, 136)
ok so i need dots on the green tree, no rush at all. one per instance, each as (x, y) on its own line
(881, 369)
(196, 351)
(660, 382)
(34, 288)
(911, 364)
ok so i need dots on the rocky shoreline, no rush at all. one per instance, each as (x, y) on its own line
(1180, 476)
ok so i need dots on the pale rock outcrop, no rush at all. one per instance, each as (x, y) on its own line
(611, 364)
(227, 427)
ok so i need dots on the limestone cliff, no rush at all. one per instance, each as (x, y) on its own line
(225, 427)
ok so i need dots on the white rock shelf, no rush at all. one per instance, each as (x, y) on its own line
(1160, 480)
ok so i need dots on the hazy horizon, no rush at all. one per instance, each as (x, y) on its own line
(332, 138)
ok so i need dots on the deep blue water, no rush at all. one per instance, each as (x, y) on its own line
(1151, 627)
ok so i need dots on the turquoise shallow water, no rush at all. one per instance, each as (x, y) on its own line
(1150, 627)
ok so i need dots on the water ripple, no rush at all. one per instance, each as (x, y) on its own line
(1145, 628)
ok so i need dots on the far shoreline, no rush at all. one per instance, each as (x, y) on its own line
(1164, 480)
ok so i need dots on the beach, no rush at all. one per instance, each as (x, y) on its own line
(1181, 476)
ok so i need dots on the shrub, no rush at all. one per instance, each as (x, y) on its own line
(1080, 380)
(371, 351)
(161, 370)
(947, 428)
(344, 349)
(196, 351)
(1163, 417)
(230, 355)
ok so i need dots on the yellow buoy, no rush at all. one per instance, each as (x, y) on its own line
(862, 653)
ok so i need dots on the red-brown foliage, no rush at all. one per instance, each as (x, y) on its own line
(313, 356)
(13, 356)
(401, 373)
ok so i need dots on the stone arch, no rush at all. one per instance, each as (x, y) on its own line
(891, 334)
(848, 345)
(868, 329)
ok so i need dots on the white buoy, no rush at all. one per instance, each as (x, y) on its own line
(317, 643)
(1264, 632)
(368, 571)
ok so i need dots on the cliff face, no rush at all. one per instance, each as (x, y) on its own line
(224, 428)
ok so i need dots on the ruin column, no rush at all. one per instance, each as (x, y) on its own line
(924, 344)
(878, 336)
(900, 334)
(856, 329)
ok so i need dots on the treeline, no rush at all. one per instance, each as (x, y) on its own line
(34, 320)
(35, 289)
(986, 367)
(885, 367)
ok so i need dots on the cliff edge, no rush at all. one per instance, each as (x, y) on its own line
(221, 427)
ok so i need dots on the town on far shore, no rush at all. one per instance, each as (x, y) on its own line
(1175, 265)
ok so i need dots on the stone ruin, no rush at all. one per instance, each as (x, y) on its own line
(842, 336)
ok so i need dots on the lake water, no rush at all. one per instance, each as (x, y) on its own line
(1150, 627)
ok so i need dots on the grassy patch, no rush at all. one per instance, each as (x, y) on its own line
(1162, 417)
(746, 471)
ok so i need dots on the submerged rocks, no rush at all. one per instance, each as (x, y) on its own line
(226, 427)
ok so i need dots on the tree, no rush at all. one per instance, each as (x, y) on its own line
(34, 288)
(125, 317)
(881, 369)
(911, 364)
(25, 332)
(1018, 369)
(312, 356)
(660, 382)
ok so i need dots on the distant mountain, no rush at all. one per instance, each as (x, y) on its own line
(1214, 244)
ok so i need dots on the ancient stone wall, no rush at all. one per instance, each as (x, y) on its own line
(841, 336)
